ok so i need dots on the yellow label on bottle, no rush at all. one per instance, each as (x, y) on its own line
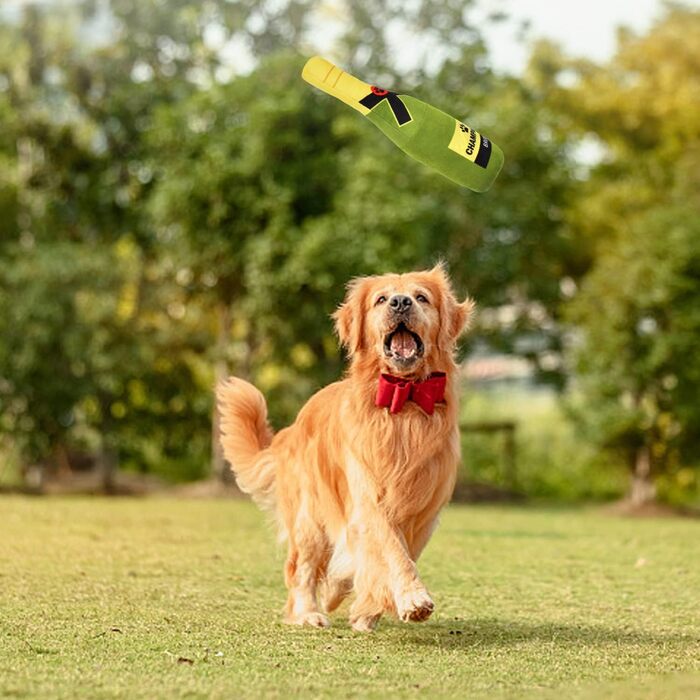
(471, 145)
(465, 141)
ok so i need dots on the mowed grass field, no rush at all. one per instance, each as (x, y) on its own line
(165, 598)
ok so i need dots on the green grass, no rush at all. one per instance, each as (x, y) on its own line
(105, 598)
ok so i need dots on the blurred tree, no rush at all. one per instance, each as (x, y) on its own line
(639, 311)
(238, 166)
(374, 32)
(637, 216)
(186, 219)
(508, 247)
(280, 196)
(76, 240)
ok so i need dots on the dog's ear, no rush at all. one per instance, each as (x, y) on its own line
(462, 317)
(455, 316)
(349, 317)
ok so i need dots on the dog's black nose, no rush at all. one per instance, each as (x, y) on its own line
(400, 302)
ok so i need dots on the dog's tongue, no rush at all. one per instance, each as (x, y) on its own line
(403, 343)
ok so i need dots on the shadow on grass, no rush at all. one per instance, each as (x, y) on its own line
(480, 632)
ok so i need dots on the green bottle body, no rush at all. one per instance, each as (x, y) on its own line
(441, 142)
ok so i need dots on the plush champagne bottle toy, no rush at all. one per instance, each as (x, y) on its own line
(424, 132)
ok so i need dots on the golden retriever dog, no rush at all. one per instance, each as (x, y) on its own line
(357, 482)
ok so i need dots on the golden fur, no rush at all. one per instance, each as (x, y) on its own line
(357, 490)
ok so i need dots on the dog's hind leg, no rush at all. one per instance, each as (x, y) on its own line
(334, 591)
(337, 584)
(308, 554)
(365, 612)
(347, 569)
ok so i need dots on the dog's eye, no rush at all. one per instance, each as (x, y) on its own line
(422, 298)
(380, 300)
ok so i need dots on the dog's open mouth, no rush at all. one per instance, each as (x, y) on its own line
(403, 344)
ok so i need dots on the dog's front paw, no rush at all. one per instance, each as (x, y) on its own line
(414, 605)
(313, 619)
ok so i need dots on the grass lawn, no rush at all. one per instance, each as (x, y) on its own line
(177, 598)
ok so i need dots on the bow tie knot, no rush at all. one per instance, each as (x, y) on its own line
(393, 392)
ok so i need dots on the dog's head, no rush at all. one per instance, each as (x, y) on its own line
(406, 324)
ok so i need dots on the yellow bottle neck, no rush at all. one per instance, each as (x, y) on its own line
(336, 82)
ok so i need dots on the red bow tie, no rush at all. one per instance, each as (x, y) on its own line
(393, 392)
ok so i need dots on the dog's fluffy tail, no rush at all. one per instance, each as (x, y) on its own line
(244, 436)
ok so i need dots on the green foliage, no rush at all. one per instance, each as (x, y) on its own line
(243, 170)
(637, 312)
(44, 347)
(86, 368)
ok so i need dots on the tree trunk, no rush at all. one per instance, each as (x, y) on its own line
(642, 488)
(60, 459)
(107, 462)
(219, 467)
(107, 458)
